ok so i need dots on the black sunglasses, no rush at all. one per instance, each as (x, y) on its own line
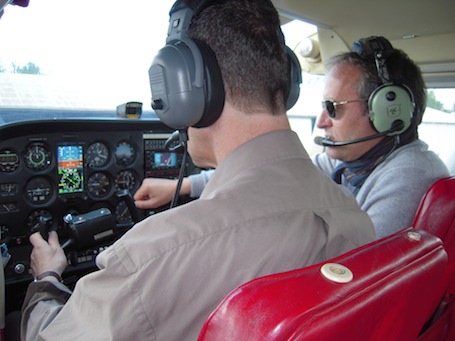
(331, 106)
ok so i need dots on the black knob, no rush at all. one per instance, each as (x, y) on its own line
(157, 104)
(390, 96)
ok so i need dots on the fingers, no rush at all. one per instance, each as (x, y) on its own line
(47, 256)
(149, 203)
(142, 204)
(148, 195)
(143, 192)
(36, 239)
(53, 239)
(38, 242)
(138, 196)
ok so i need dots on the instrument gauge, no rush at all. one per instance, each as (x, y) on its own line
(70, 181)
(9, 161)
(8, 207)
(125, 180)
(97, 155)
(39, 190)
(37, 218)
(98, 184)
(37, 157)
(124, 153)
(8, 189)
(123, 214)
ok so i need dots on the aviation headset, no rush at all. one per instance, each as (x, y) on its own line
(391, 105)
(185, 79)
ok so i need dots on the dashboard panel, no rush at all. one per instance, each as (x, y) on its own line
(58, 172)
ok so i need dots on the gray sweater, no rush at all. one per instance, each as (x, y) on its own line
(392, 192)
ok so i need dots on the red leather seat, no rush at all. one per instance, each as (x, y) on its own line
(436, 214)
(391, 295)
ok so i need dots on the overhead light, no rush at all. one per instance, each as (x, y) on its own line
(309, 48)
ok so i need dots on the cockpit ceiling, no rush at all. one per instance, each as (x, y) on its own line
(424, 29)
(391, 18)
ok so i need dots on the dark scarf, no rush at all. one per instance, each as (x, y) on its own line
(356, 172)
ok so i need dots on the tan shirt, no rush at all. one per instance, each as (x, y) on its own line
(266, 209)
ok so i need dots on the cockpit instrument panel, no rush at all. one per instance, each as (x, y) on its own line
(52, 170)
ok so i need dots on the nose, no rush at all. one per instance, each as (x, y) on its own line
(323, 121)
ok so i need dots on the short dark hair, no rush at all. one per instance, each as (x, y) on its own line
(249, 45)
(402, 70)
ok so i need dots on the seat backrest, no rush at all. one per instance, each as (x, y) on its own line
(391, 294)
(436, 213)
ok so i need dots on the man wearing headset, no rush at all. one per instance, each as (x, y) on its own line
(267, 209)
(388, 174)
(372, 145)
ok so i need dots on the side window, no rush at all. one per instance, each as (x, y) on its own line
(438, 125)
(303, 115)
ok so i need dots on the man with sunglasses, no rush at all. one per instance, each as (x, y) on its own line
(388, 170)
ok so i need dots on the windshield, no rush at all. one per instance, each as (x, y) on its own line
(79, 54)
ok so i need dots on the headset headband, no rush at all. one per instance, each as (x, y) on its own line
(377, 49)
(181, 15)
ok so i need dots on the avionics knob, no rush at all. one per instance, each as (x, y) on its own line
(19, 268)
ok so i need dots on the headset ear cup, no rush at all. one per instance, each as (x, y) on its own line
(176, 99)
(390, 105)
(295, 79)
(213, 87)
(187, 88)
